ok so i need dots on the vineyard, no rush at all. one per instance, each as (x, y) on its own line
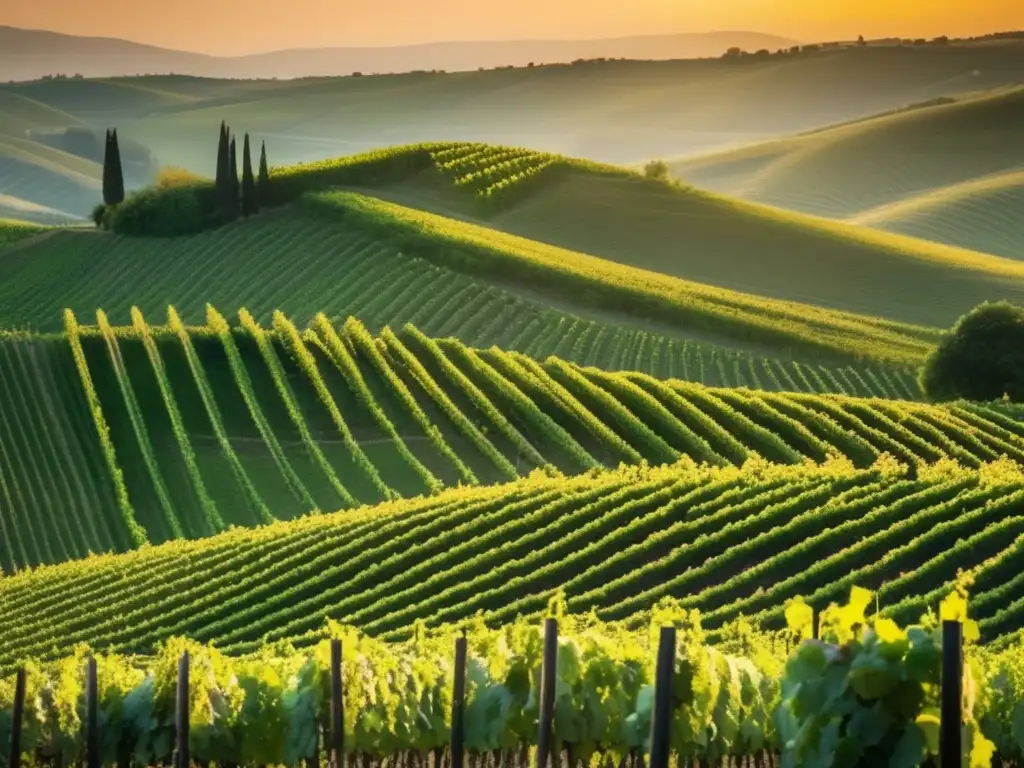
(583, 692)
(728, 541)
(115, 435)
(495, 174)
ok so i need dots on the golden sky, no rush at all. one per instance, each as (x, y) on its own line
(229, 27)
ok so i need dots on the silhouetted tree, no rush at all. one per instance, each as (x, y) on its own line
(113, 175)
(233, 179)
(263, 179)
(249, 203)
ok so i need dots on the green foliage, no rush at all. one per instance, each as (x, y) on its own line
(981, 359)
(656, 170)
(164, 212)
(13, 231)
(598, 283)
(99, 215)
(868, 692)
(867, 699)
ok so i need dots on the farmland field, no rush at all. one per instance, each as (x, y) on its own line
(116, 435)
(725, 540)
(394, 395)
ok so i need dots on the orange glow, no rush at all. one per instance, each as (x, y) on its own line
(230, 27)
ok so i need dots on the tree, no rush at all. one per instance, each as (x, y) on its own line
(982, 358)
(249, 204)
(222, 164)
(656, 169)
(113, 175)
(233, 193)
(263, 180)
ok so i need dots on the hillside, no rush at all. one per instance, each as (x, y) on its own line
(952, 161)
(208, 427)
(613, 111)
(723, 540)
(534, 225)
(983, 214)
(390, 243)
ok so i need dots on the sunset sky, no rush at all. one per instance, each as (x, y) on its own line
(229, 27)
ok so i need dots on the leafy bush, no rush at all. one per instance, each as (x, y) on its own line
(99, 216)
(982, 358)
(171, 176)
(165, 211)
(656, 169)
(868, 693)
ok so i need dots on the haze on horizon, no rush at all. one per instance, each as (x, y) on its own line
(235, 27)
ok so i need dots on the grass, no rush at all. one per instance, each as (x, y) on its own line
(726, 541)
(151, 432)
(12, 231)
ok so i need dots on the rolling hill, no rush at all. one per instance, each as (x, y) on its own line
(724, 540)
(983, 214)
(613, 111)
(714, 266)
(29, 54)
(116, 435)
(947, 171)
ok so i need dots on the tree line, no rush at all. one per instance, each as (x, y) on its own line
(234, 196)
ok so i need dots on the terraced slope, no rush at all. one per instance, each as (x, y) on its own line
(725, 540)
(186, 431)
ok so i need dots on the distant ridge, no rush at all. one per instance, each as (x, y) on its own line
(28, 54)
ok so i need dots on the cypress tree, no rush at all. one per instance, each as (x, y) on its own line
(108, 158)
(117, 171)
(233, 179)
(222, 164)
(249, 204)
(263, 180)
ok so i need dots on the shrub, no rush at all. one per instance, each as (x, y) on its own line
(656, 169)
(163, 211)
(99, 216)
(170, 176)
(982, 358)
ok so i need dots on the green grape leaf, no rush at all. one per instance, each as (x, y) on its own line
(928, 722)
(910, 750)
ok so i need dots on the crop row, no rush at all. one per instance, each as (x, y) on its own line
(726, 540)
(196, 428)
(343, 273)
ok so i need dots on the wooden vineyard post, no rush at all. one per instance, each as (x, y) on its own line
(951, 713)
(548, 673)
(337, 708)
(181, 713)
(815, 625)
(661, 717)
(16, 717)
(458, 702)
(92, 715)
